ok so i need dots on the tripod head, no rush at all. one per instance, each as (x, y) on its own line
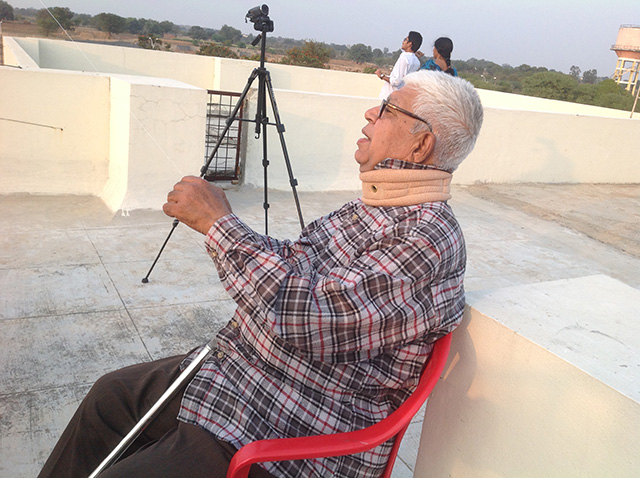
(259, 16)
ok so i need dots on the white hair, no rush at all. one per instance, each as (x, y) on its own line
(453, 108)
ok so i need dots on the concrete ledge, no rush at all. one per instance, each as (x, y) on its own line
(542, 380)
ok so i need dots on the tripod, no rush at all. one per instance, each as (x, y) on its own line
(260, 18)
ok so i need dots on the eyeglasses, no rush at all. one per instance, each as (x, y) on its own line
(385, 104)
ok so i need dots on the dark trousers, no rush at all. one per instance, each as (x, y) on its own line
(166, 448)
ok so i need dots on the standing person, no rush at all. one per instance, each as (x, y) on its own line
(407, 63)
(441, 60)
(331, 331)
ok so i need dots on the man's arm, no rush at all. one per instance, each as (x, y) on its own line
(379, 300)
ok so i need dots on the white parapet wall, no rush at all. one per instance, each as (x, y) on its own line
(520, 146)
(543, 380)
(157, 128)
(106, 59)
(154, 135)
(124, 139)
(54, 132)
(320, 138)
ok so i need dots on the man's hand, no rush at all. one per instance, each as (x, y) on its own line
(196, 203)
(381, 75)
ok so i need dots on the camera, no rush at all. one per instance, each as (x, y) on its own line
(259, 16)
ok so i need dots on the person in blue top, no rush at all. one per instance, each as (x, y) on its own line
(441, 60)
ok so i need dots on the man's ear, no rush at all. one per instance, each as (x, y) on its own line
(423, 149)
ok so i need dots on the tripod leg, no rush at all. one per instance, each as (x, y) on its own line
(145, 279)
(229, 121)
(280, 127)
(261, 122)
(205, 167)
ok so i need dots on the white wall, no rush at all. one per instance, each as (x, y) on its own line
(124, 139)
(54, 132)
(201, 71)
(95, 58)
(164, 140)
(320, 136)
(517, 146)
(523, 139)
(530, 391)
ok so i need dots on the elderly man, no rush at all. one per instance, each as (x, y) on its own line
(331, 331)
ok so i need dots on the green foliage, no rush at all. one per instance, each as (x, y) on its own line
(360, 53)
(82, 20)
(110, 23)
(575, 72)
(311, 54)
(6, 11)
(168, 27)
(227, 34)
(612, 95)
(550, 84)
(199, 33)
(48, 24)
(213, 49)
(369, 69)
(134, 26)
(590, 76)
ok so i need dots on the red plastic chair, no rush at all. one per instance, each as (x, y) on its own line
(337, 444)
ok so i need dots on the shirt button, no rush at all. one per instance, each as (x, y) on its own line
(213, 254)
(355, 217)
(220, 355)
(234, 324)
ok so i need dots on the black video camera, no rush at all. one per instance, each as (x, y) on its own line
(259, 16)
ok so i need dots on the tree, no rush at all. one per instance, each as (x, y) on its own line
(590, 76)
(550, 84)
(198, 33)
(47, 21)
(82, 19)
(585, 94)
(110, 23)
(311, 54)
(228, 34)
(360, 53)
(168, 27)
(6, 11)
(575, 72)
(612, 95)
(134, 26)
(152, 27)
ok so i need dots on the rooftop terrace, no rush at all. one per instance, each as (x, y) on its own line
(544, 373)
(74, 307)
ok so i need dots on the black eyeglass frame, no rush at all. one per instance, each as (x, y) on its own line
(386, 104)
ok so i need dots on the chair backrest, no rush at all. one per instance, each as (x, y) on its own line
(348, 443)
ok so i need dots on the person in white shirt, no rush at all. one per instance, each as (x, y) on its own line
(407, 63)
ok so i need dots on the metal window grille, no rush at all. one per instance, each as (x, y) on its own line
(225, 166)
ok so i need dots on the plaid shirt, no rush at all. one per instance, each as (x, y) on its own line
(331, 331)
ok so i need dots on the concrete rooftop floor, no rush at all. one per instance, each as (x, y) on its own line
(72, 305)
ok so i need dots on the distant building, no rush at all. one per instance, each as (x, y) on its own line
(627, 48)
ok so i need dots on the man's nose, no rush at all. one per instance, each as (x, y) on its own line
(371, 115)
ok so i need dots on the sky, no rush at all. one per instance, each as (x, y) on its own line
(555, 34)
